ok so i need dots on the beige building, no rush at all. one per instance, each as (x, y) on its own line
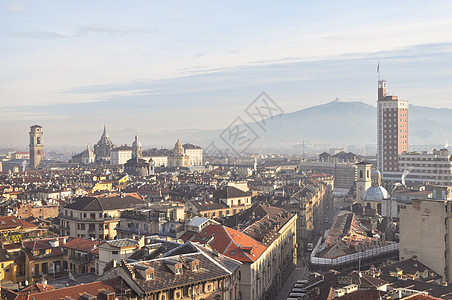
(115, 251)
(81, 255)
(158, 160)
(307, 203)
(21, 155)
(424, 232)
(266, 255)
(120, 155)
(86, 157)
(232, 196)
(161, 218)
(95, 217)
(42, 258)
(344, 173)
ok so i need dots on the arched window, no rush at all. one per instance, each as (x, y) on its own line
(38, 141)
(360, 173)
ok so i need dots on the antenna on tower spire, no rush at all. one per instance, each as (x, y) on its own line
(378, 70)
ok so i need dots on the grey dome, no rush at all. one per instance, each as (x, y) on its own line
(376, 193)
(376, 173)
(136, 143)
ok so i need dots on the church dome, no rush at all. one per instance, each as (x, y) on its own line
(136, 143)
(178, 148)
(376, 173)
(376, 193)
(104, 146)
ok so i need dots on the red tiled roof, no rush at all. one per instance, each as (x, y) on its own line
(11, 222)
(12, 246)
(85, 245)
(73, 292)
(231, 243)
(40, 244)
(43, 244)
(187, 236)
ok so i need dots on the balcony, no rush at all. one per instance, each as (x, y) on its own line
(88, 220)
(79, 258)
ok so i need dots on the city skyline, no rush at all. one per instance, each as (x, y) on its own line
(225, 150)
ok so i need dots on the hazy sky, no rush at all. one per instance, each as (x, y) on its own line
(72, 66)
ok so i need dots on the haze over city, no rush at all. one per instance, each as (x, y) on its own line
(75, 66)
(225, 150)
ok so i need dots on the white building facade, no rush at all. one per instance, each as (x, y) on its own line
(427, 168)
(194, 153)
(120, 155)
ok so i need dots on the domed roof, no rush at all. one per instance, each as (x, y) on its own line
(376, 173)
(136, 143)
(375, 193)
(178, 148)
(105, 141)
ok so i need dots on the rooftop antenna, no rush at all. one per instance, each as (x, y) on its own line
(378, 70)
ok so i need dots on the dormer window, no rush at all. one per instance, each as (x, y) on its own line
(146, 272)
(195, 265)
(178, 270)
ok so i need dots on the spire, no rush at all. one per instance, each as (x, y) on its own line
(105, 130)
(136, 148)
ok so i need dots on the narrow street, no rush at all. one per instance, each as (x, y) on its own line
(298, 273)
(301, 271)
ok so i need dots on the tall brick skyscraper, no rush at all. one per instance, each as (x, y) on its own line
(36, 146)
(392, 130)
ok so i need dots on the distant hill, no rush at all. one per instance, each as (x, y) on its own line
(345, 123)
(334, 122)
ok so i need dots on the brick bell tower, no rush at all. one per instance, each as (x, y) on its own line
(36, 146)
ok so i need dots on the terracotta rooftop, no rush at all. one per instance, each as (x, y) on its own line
(230, 242)
(75, 292)
(11, 222)
(79, 244)
(261, 222)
